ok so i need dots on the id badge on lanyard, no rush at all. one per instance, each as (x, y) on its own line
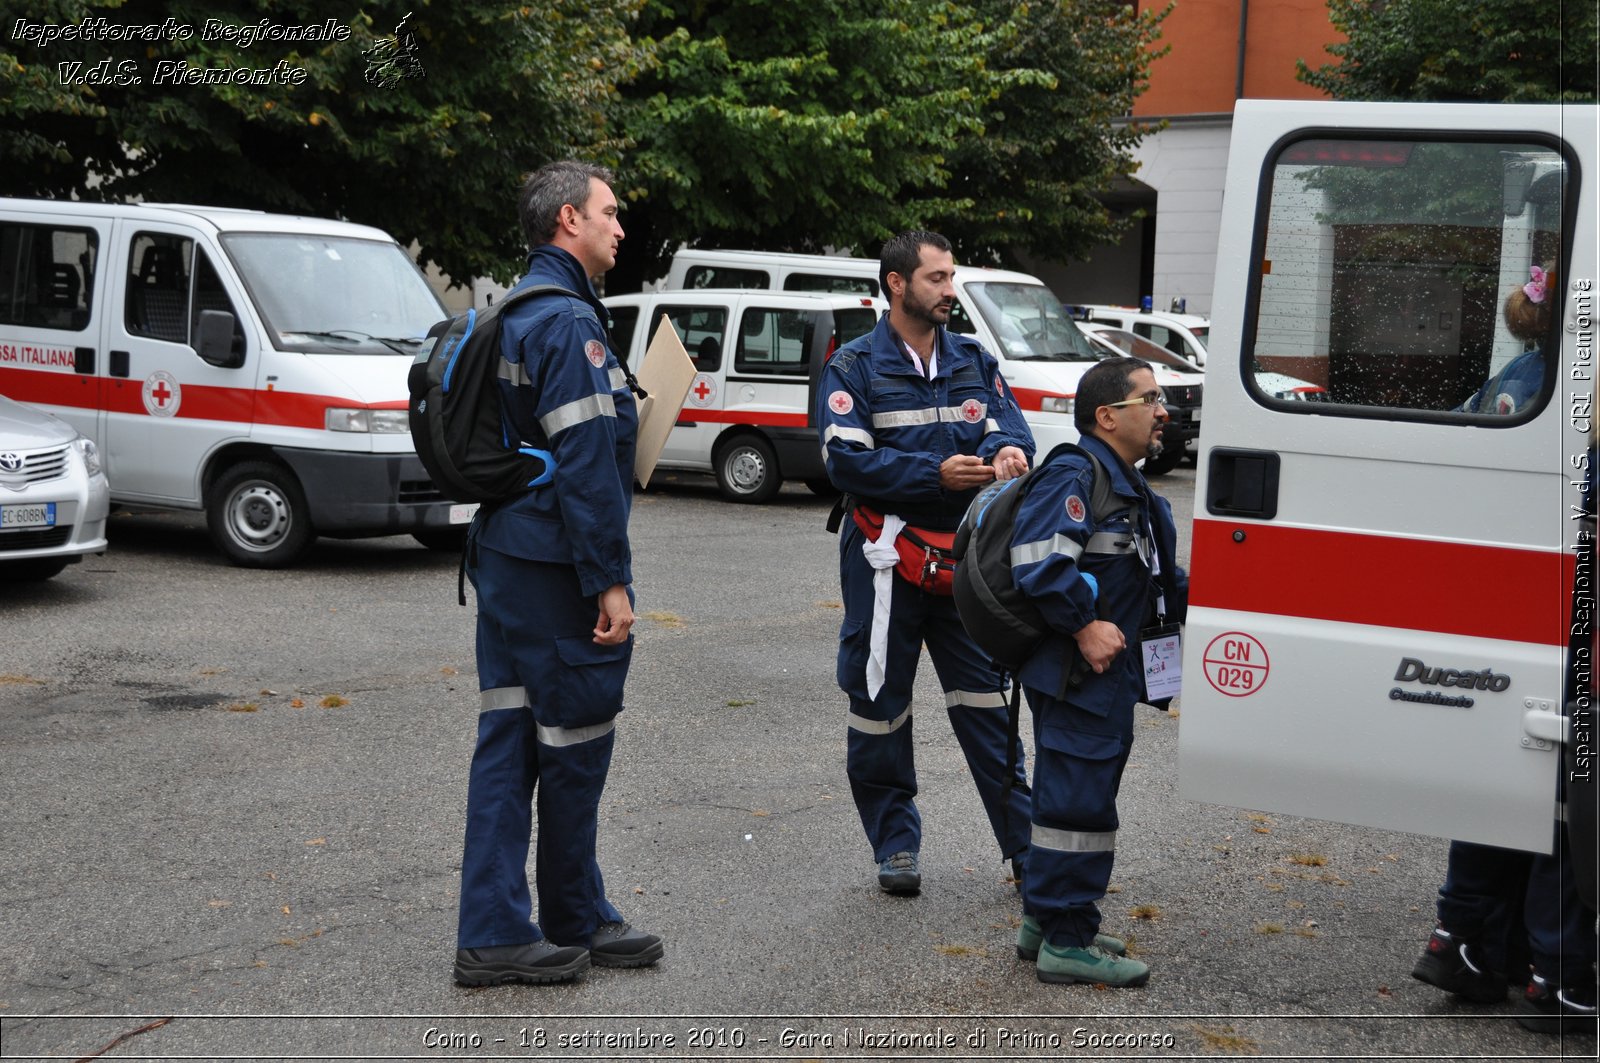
(1161, 646)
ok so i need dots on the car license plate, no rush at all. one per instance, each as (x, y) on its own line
(40, 515)
(462, 514)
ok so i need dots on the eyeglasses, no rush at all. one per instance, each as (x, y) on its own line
(1149, 398)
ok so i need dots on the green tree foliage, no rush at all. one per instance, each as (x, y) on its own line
(834, 124)
(435, 157)
(1493, 50)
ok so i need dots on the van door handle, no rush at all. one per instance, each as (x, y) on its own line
(1242, 483)
(119, 363)
(83, 360)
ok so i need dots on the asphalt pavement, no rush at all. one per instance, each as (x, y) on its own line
(234, 804)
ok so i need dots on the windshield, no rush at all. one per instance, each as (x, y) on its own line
(1028, 322)
(1139, 347)
(335, 294)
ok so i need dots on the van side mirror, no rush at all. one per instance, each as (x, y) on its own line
(215, 344)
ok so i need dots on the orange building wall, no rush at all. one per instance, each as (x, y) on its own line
(1198, 75)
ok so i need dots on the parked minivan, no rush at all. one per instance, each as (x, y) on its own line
(249, 365)
(1042, 354)
(757, 355)
(1182, 334)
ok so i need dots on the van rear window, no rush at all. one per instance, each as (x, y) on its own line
(47, 275)
(852, 322)
(822, 282)
(726, 277)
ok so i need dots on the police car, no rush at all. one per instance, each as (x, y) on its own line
(54, 498)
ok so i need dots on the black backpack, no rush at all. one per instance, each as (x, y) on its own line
(455, 415)
(999, 617)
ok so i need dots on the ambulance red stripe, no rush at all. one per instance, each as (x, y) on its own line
(199, 401)
(690, 415)
(1423, 585)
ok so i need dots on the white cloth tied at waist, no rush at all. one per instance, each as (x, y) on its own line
(882, 556)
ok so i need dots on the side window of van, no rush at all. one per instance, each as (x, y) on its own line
(701, 329)
(960, 321)
(1404, 276)
(169, 282)
(775, 341)
(624, 321)
(820, 282)
(47, 275)
(1167, 338)
(726, 277)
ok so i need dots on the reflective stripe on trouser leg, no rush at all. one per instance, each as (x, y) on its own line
(878, 744)
(572, 776)
(1077, 770)
(976, 702)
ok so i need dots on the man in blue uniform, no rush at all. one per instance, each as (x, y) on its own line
(914, 422)
(555, 605)
(1108, 583)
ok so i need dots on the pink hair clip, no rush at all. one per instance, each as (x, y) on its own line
(1536, 288)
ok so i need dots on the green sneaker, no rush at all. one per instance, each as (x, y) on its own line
(1030, 934)
(1092, 964)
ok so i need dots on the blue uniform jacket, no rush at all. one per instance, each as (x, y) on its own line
(1512, 388)
(560, 382)
(1076, 568)
(886, 428)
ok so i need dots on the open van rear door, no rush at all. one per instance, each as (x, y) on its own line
(1383, 604)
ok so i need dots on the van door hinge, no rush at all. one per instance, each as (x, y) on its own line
(1542, 725)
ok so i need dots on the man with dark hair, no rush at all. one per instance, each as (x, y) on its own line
(555, 607)
(914, 422)
(1109, 585)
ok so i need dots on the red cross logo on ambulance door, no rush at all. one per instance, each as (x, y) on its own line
(972, 411)
(703, 392)
(841, 403)
(161, 393)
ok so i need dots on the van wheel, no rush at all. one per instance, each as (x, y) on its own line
(1164, 462)
(747, 470)
(258, 515)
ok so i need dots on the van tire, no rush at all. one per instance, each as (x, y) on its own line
(747, 469)
(1164, 462)
(258, 516)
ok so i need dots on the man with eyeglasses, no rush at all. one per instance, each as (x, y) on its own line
(1109, 585)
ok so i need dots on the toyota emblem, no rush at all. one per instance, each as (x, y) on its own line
(10, 462)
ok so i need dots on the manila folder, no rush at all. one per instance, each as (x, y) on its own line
(665, 376)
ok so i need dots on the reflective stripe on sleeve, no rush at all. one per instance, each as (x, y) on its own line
(852, 435)
(975, 699)
(1112, 543)
(502, 698)
(513, 373)
(1029, 553)
(926, 415)
(1073, 841)
(576, 413)
(572, 736)
(991, 425)
(877, 727)
(619, 379)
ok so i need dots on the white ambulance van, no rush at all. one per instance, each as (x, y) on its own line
(757, 356)
(1042, 354)
(246, 364)
(1182, 334)
(1429, 666)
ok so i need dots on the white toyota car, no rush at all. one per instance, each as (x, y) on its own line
(54, 498)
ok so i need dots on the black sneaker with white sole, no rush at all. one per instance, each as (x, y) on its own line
(537, 963)
(1566, 1010)
(1456, 965)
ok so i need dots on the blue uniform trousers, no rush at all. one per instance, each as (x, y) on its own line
(879, 760)
(533, 624)
(1077, 771)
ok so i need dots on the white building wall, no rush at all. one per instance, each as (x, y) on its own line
(1187, 165)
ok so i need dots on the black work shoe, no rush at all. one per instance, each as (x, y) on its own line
(620, 945)
(1456, 966)
(899, 874)
(539, 963)
(1546, 1009)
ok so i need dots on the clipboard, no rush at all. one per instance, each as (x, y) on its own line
(666, 376)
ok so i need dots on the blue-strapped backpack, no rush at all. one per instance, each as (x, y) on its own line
(455, 413)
